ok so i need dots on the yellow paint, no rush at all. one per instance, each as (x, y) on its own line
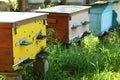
(29, 32)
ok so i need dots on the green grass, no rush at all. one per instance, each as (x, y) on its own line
(95, 59)
(2, 77)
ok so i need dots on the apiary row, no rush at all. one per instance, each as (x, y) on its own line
(72, 22)
(67, 21)
(22, 33)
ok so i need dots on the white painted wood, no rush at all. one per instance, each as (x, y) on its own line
(77, 19)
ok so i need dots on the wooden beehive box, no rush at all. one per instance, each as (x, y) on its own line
(66, 20)
(101, 17)
(19, 40)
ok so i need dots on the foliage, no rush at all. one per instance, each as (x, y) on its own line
(105, 75)
(28, 72)
(2, 77)
(90, 43)
(14, 4)
(95, 59)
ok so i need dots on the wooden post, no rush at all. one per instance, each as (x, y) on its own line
(63, 2)
(22, 5)
(87, 1)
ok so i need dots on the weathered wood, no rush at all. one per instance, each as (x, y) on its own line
(22, 5)
(12, 75)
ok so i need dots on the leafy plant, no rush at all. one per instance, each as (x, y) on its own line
(95, 60)
(2, 77)
(90, 43)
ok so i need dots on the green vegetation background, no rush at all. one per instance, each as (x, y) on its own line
(95, 59)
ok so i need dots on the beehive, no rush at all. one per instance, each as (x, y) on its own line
(20, 37)
(66, 21)
(101, 18)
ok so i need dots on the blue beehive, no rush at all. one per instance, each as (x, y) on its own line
(101, 18)
(114, 21)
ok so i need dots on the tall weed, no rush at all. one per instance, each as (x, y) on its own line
(94, 60)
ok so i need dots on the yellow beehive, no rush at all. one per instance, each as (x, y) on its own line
(21, 36)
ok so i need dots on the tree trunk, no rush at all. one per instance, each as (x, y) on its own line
(21, 5)
(63, 2)
(87, 1)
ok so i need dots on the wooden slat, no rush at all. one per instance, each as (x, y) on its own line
(5, 25)
(6, 67)
(6, 47)
(6, 59)
(61, 27)
(5, 38)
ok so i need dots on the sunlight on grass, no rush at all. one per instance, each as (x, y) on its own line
(5, 0)
(75, 62)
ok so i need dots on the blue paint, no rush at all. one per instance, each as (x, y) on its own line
(101, 18)
(114, 21)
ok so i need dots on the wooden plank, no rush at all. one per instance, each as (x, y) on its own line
(6, 59)
(5, 25)
(6, 47)
(12, 75)
(6, 67)
(61, 20)
(60, 34)
(5, 38)
(50, 21)
(61, 27)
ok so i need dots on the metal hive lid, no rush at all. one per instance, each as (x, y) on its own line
(64, 9)
(11, 17)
